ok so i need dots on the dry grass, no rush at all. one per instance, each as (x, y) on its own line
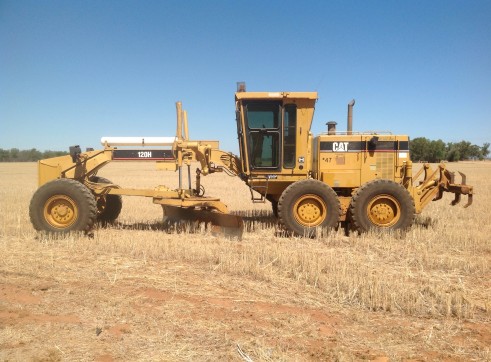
(137, 292)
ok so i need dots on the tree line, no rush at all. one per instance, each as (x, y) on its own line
(423, 149)
(16, 155)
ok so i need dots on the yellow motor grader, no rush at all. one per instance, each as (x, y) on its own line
(363, 179)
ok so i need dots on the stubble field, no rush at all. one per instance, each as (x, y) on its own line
(137, 292)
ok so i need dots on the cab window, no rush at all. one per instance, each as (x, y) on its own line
(263, 128)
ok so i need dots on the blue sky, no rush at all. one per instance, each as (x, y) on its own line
(74, 71)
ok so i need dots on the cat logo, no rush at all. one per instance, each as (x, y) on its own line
(340, 146)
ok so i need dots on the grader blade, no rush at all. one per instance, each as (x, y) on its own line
(221, 224)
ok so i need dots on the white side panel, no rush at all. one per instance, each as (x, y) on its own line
(137, 141)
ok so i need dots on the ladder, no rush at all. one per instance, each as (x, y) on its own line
(262, 190)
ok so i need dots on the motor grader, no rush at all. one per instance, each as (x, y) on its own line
(362, 179)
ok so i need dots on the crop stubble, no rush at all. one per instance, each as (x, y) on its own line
(137, 292)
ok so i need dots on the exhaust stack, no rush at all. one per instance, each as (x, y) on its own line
(350, 117)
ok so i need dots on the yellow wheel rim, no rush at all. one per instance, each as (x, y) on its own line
(310, 210)
(60, 211)
(384, 211)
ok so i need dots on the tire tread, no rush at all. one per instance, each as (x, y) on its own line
(59, 186)
(295, 190)
(114, 203)
(356, 209)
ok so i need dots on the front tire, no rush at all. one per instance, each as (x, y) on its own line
(61, 206)
(382, 204)
(307, 205)
(108, 206)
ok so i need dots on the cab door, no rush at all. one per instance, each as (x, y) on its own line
(263, 128)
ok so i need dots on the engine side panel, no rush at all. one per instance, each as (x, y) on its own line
(348, 161)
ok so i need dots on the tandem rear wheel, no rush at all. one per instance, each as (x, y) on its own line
(381, 205)
(307, 205)
(62, 206)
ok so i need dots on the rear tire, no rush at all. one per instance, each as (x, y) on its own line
(61, 206)
(307, 205)
(108, 206)
(382, 205)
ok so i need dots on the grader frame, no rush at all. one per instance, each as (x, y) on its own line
(362, 179)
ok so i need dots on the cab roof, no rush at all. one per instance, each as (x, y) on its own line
(275, 95)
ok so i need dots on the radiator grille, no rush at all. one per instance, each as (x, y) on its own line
(385, 165)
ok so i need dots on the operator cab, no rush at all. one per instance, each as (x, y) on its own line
(273, 130)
